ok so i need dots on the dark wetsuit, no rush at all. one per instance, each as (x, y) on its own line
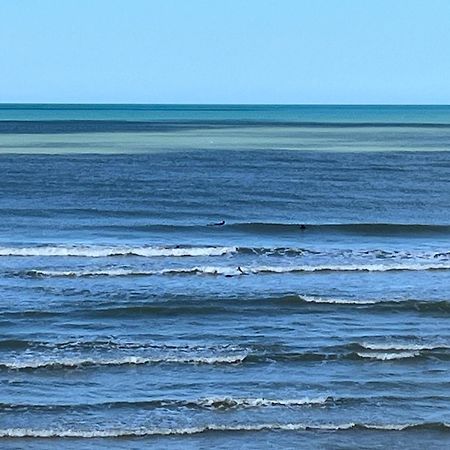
(217, 224)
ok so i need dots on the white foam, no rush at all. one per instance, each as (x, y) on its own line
(238, 271)
(338, 301)
(402, 346)
(92, 251)
(143, 431)
(92, 273)
(388, 356)
(102, 251)
(128, 360)
(390, 427)
(229, 402)
(349, 268)
(155, 431)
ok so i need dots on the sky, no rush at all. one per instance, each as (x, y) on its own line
(225, 51)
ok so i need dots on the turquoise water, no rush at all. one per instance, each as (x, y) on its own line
(277, 113)
(285, 285)
(145, 128)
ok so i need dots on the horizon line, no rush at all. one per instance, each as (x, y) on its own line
(220, 104)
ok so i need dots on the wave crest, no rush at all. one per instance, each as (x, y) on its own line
(121, 361)
(236, 403)
(388, 356)
(238, 271)
(155, 431)
(399, 346)
(98, 251)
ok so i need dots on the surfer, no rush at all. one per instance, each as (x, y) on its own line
(241, 271)
(302, 227)
(217, 224)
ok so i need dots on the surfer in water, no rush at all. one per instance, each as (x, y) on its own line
(239, 269)
(217, 224)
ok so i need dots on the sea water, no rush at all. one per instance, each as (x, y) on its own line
(213, 276)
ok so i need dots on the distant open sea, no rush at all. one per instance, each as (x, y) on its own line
(215, 276)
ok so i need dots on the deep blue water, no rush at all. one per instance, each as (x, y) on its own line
(316, 316)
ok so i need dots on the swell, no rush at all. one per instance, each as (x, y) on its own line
(353, 228)
(15, 344)
(228, 307)
(274, 228)
(219, 307)
(276, 305)
(255, 427)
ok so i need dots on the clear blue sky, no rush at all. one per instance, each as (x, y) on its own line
(225, 51)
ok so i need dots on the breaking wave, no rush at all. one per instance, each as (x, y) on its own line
(439, 306)
(156, 431)
(239, 271)
(347, 352)
(399, 346)
(237, 403)
(213, 403)
(73, 362)
(91, 251)
(388, 356)
(146, 251)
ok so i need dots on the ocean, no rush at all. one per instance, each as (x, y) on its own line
(188, 276)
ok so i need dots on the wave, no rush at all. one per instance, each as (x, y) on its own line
(314, 356)
(399, 346)
(255, 427)
(438, 306)
(348, 228)
(347, 352)
(69, 362)
(97, 251)
(346, 253)
(296, 229)
(83, 362)
(237, 403)
(111, 344)
(177, 251)
(67, 354)
(388, 356)
(144, 251)
(15, 344)
(330, 301)
(213, 403)
(192, 306)
(240, 270)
